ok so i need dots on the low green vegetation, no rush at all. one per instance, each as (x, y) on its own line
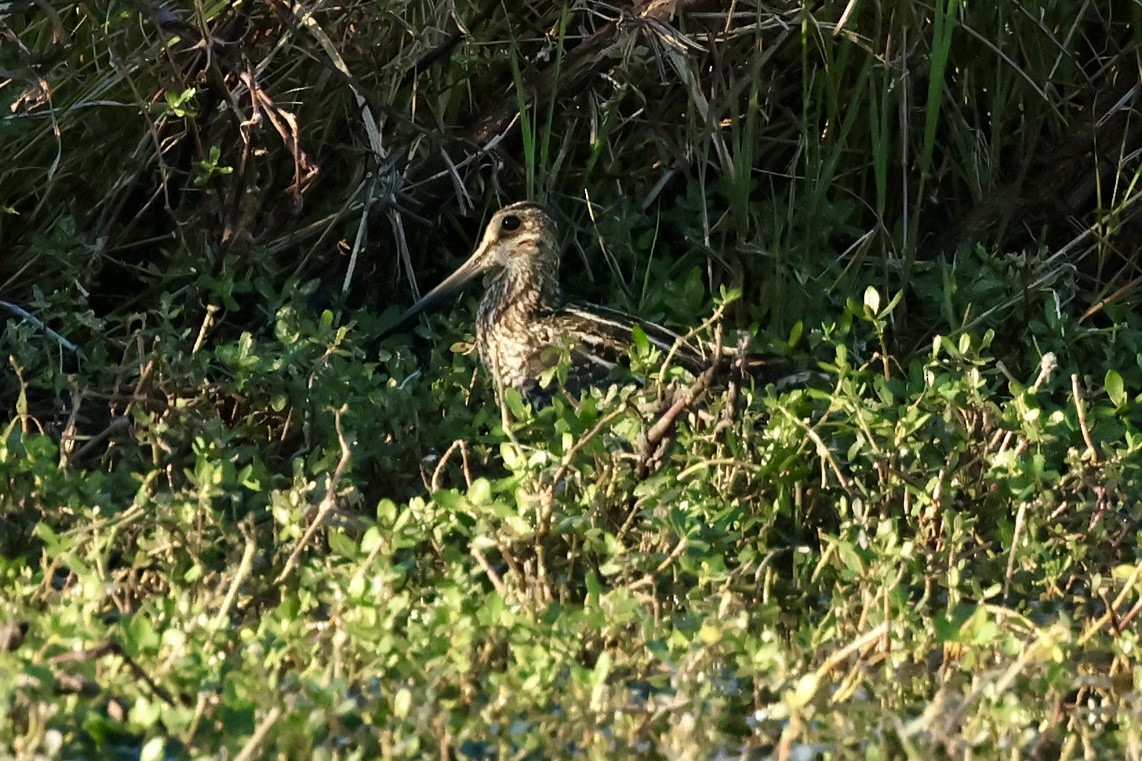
(239, 519)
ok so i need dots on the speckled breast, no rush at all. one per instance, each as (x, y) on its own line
(511, 349)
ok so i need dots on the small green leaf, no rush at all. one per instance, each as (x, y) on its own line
(871, 300)
(153, 750)
(1115, 388)
(451, 500)
(709, 634)
(402, 703)
(481, 492)
(795, 333)
(342, 544)
(515, 404)
(638, 336)
(804, 691)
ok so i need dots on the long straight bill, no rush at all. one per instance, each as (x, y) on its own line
(464, 274)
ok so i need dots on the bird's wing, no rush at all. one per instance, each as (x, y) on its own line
(610, 333)
(598, 341)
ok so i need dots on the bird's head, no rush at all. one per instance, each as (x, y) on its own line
(518, 236)
(521, 241)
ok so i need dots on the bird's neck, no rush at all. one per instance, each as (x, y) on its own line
(526, 289)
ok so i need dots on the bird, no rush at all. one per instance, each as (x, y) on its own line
(525, 325)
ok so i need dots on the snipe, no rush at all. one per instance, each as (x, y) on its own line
(524, 324)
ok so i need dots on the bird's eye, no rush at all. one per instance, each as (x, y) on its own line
(510, 223)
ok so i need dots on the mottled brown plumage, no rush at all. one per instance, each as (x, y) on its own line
(523, 323)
